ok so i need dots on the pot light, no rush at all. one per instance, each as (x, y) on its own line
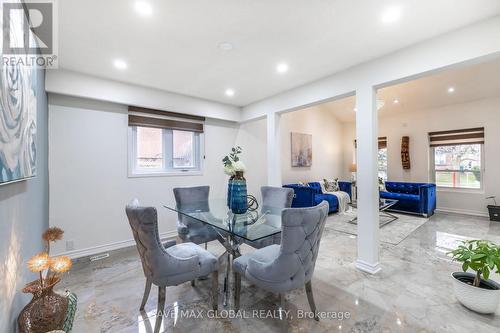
(355, 109)
(391, 15)
(451, 90)
(282, 68)
(226, 46)
(229, 92)
(120, 64)
(144, 8)
(396, 101)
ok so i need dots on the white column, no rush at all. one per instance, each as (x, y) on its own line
(367, 180)
(273, 149)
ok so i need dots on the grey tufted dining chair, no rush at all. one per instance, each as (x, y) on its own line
(272, 198)
(167, 266)
(285, 267)
(188, 229)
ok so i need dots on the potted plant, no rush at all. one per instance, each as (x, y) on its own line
(476, 291)
(494, 210)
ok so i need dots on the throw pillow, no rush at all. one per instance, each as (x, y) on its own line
(381, 184)
(331, 185)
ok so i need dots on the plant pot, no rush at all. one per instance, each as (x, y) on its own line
(484, 299)
(237, 194)
(494, 213)
(45, 312)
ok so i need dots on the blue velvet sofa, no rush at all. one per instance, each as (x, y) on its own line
(311, 195)
(416, 198)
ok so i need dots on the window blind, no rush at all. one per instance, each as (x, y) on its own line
(382, 142)
(457, 137)
(138, 116)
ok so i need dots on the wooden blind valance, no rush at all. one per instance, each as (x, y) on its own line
(457, 137)
(382, 142)
(164, 119)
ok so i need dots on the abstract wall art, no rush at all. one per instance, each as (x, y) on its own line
(301, 149)
(18, 111)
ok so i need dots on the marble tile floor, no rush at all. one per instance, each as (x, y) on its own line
(412, 293)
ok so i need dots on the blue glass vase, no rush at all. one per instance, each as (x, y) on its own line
(237, 194)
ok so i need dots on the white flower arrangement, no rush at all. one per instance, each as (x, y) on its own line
(232, 163)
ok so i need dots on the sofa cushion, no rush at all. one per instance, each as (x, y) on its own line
(330, 198)
(399, 196)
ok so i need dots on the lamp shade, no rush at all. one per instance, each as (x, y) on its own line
(353, 168)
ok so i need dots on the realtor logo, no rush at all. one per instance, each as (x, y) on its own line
(29, 34)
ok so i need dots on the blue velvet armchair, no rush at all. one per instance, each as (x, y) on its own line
(415, 198)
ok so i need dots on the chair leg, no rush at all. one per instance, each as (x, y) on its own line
(161, 307)
(237, 291)
(147, 289)
(215, 290)
(310, 298)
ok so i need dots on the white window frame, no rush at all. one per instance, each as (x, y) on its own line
(432, 176)
(167, 168)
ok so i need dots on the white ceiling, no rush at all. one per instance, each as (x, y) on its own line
(176, 48)
(471, 83)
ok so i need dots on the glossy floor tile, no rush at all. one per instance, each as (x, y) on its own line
(412, 293)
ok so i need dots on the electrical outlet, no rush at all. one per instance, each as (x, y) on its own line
(70, 245)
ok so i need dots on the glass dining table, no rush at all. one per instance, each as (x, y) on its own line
(232, 229)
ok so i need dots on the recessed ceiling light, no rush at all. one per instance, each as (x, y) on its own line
(120, 64)
(391, 15)
(396, 101)
(282, 68)
(355, 109)
(229, 92)
(451, 90)
(226, 46)
(144, 8)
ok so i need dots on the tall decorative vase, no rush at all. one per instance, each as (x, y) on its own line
(237, 193)
(45, 312)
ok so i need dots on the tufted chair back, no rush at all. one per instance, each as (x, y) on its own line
(191, 199)
(144, 224)
(276, 197)
(300, 238)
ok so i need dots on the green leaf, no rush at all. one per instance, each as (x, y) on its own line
(478, 256)
(486, 273)
(465, 266)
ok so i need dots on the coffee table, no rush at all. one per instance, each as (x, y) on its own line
(384, 204)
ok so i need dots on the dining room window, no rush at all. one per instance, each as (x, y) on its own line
(164, 145)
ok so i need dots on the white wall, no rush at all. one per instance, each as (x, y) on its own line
(326, 133)
(89, 187)
(416, 124)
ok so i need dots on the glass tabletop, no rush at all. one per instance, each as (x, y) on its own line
(252, 225)
(383, 204)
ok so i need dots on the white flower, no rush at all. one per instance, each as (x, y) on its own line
(239, 166)
(229, 170)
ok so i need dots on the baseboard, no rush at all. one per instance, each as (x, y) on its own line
(367, 267)
(91, 251)
(462, 211)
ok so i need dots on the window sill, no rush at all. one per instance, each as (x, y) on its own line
(460, 190)
(165, 174)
